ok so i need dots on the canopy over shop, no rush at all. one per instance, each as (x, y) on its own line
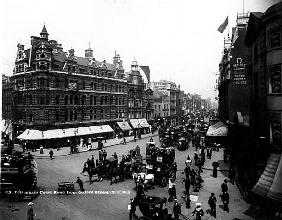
(30, 134)
(217, 133)
(124, 127)
(141, 124)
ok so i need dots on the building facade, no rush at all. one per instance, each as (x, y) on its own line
(136, 93)
(7, 100)
(53, 88)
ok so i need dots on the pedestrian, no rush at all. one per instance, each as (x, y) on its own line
(225, 200)
(232, 175)
(132, 208)
(92, 162)
(175, 169)
(170, 190)
(187, 171)
(198, 211)
(224, 187)
(188, 201)
(105, 155)
(80, 183)
(30, 212)
(176, 209)
(124, 140)
(151, 139)
(140, 191)
(51, 153)
(214, 171)
(187, 185)
(212, 204)
(193, 175)
(100, 156)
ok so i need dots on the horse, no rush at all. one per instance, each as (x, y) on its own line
(114, 172)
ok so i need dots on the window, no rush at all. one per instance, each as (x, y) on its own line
(69, 69)
(275, 37)
(83, 84)
(66, 115)
(275, 128)
(71, 100)
(73, 68)
(47, 100)
(83, 101)
(41, 102)
(30, 99)
(95, 114)
(116, 88)
(91, 100)
(95, 86)
(101, 100)
(71, 115)
(95, 100)
(57, 116)
(106, 100)
(66, 99)
(92, 85)
(76, 100)
(106, 87)
(75, 115)
(91, 114)
(275, 80)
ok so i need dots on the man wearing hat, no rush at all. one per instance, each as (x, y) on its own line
(132, 208)
(212, 204)
(30, 213)
(198, 211)
(176, 209)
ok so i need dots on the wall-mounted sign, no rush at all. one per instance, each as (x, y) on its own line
(239, 73)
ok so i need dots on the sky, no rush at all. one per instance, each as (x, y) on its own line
(178, 39)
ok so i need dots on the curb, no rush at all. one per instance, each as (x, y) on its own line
(63, 155)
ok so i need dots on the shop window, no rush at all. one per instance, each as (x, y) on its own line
(275, 80)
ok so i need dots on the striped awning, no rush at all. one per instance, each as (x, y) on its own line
(124, 125)
(270, 182)
(135, 123)
(30, 134)
(143, 122)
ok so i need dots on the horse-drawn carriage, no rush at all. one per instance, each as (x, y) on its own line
(182, 144)
(152, 208)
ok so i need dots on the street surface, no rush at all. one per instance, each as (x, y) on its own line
(103, 206)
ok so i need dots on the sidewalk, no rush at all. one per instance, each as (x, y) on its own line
(237, 204)
(64, 151)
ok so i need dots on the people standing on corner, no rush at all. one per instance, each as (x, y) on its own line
(212, 204)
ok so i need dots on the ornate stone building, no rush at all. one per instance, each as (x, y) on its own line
(54, 88)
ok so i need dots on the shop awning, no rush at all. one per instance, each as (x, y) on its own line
(29, 134)
(218, 129)
(135, 123)
(270, 182)
(124, 126)
(143, 122)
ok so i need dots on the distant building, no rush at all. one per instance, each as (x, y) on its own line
(161, 105)
(7, 101)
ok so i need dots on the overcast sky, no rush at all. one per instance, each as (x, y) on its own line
(178, 39)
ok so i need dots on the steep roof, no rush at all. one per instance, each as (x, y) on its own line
(44, 30)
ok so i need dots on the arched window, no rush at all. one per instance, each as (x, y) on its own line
(66, 99)
(71, 115)
(76, 100)
(71, 99)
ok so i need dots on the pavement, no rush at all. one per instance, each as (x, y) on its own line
(65, 151)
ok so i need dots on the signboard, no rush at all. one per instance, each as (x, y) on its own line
(239, 73)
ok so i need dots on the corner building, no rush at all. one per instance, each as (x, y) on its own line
(54, 88)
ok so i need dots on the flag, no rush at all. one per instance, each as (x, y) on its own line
(146, 70)
(222, 27)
